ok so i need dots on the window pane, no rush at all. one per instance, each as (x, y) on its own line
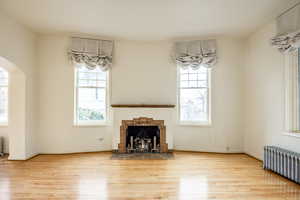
(193, 76)
(91, 78)
(101, 83)
(91, 95)
(184, 84)
(184, 77)
(84, 83)
(101, 76)
(3, 96)
(202, 70)
(202, 76)
(202, 83)
(193, 104)
(194, 94)
(3, 77)
(193, 84)
(87, 75)
(91, 83)
(3, 104)
(91, 104)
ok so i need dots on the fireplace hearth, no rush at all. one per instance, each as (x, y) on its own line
(143, 135)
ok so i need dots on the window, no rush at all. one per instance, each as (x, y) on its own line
(194, 95)
(3, 97)
(292, 92)
(91, 96)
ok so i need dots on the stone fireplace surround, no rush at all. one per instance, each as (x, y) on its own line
(156, 113)
(142, 121)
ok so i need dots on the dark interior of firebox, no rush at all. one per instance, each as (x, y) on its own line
(143, 139)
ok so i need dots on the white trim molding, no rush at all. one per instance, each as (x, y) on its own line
(207, 123)
(92, 123)
(292, 134)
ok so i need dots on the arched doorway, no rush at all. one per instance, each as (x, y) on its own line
(16, 123)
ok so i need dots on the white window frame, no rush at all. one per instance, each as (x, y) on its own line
(292, 100)
(92, 123)
(195, 123)
(5, 123)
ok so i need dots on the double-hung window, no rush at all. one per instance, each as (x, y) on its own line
(91, 96)
(292, 92)
(194, 96)
(3, 97)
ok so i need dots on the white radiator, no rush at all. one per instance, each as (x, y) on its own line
(283, 162)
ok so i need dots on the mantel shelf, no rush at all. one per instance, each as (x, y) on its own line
(142, 106)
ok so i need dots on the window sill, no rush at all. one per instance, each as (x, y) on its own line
(91, 124)
(199, 124)
(292, 134)
(3, 125)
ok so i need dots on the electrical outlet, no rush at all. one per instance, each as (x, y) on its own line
(227, 148)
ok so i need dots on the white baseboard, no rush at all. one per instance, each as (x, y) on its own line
(252, 155)
(200, 149)
(26, 157)
(73, 152)
(176, 147)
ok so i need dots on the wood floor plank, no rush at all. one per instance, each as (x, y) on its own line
(90, 176)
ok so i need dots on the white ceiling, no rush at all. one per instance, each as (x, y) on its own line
(145, 19)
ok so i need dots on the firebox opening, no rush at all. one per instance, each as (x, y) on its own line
(144, 139)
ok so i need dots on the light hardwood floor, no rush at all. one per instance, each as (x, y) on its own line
(189, 176)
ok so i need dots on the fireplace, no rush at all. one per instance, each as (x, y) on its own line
(142, 139)
(143, 135)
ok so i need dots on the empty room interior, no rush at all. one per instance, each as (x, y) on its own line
(148, 99)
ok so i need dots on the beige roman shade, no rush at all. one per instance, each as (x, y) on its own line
(195, 53)
(91, 53)
(288, 30)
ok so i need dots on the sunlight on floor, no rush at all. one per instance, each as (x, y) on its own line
(193, 186)
(5, 189)
(92, 187)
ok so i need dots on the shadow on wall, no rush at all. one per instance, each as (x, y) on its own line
(15, 132)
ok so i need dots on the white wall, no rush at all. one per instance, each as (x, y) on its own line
(142, 73)
(17, 45)
(264, 95)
